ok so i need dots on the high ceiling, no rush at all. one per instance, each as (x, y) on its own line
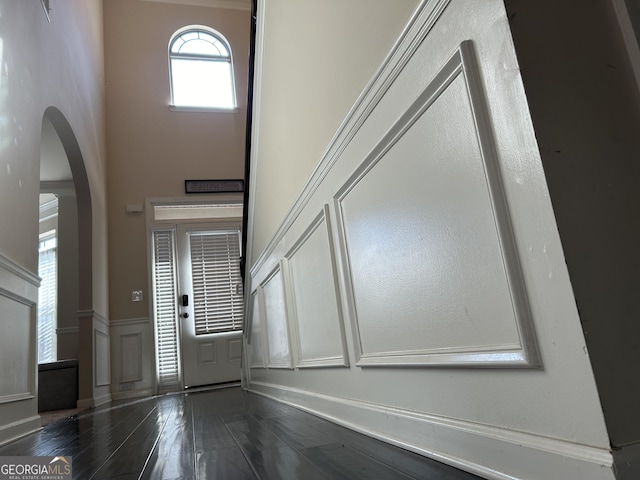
(54, 165)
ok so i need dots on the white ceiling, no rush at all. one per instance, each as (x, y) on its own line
(54, 166)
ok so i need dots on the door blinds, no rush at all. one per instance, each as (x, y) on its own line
(165, 295)
(215, 272)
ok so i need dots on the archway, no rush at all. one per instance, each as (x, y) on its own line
(63, 173)
(83, 196)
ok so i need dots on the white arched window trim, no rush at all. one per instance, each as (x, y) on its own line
(201, 70)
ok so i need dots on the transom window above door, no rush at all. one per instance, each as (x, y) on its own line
(201, 69)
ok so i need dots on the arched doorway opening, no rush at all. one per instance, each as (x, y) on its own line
(65, 192)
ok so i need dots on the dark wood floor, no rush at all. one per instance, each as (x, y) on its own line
(221, 434)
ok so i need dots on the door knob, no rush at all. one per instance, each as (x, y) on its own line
(185, 315)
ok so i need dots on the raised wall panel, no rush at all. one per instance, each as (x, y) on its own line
(18, 357)
(131, 357)
(318, 316)
(102, 364)
(425, 216)
(279, 352)
(18, 297)
(255, 333)
(406, 215)
(16, 349)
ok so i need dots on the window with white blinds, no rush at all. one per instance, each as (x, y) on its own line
(217, 284)
(47, 299)
(165, 294)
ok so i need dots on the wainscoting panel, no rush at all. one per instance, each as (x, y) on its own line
(447, 256)
(18, 353)
(132, 358)
(18, 401)
(277, 331)
(317, 309)
(405, 217)
(254, 336)
(102, 368)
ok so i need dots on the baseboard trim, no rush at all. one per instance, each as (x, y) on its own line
(102, 399)
(85, 403)
(147, 392)
(16, 430)
(94, 401)
(491, 452)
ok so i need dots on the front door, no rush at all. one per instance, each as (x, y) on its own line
(210, 303)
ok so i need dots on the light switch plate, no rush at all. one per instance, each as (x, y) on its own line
(136, 296)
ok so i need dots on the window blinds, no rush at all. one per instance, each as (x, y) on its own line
(165, 295)
(47, 300)
(215, 271)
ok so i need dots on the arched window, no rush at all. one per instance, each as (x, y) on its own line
(201, 69)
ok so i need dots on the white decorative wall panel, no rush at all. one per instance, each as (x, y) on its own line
(406, 217)
(18, 317)
(318, 315)
(255, 333)
(279, 352)
(131, 357)
(16, 348)
(102, 364)
(435, 179)
(18, 356)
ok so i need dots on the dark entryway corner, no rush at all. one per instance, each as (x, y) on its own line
(221, 434)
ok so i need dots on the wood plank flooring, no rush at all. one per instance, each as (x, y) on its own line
(221, 434)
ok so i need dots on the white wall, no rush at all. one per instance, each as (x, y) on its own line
(309, 85)
(417, 289)
(49, 64)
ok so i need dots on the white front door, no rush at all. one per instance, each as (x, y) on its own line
(210, 303)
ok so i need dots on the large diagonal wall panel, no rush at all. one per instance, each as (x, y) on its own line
(460, 327)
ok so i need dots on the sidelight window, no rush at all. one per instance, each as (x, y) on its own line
(164, 308)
